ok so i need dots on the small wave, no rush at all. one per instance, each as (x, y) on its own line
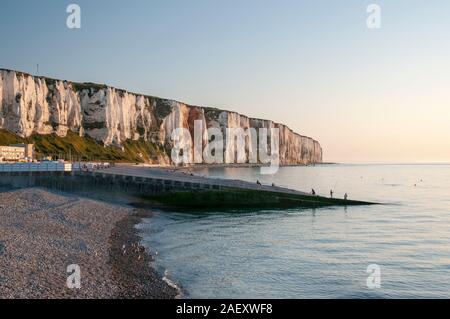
(173, 285)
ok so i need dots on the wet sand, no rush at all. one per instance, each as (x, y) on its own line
(42, 233)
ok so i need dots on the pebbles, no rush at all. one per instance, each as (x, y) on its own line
(42, 233)
(2, 249)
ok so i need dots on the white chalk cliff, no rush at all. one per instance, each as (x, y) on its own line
(30, 104)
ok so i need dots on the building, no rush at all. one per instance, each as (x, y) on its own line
(29, 150)
(17, 153)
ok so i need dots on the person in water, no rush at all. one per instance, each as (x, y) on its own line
(258, 183)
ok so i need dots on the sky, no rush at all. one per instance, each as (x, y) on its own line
(367, 95)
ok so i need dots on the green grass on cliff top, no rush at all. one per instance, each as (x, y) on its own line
(85, 148)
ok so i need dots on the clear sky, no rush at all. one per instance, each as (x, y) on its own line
(365, 94)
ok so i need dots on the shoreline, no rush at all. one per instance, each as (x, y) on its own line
(136, 273)
(43, 232)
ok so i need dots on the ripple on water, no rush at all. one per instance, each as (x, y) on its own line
(316, 253)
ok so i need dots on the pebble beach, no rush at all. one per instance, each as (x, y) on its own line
(42, 233)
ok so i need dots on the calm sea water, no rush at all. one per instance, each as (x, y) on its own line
(316, 253)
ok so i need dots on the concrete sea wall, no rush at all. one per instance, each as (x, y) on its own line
(155, 192)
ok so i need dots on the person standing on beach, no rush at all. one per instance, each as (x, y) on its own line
(331, 193)
(345, 196)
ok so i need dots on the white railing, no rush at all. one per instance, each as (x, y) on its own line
(51, 167)
(38, 167)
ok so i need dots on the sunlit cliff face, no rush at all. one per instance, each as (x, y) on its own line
(45, 106)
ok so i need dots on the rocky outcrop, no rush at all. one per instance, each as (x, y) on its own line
(30, 105)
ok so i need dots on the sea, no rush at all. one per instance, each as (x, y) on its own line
(399, 248)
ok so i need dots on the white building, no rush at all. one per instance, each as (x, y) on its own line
(17, 153)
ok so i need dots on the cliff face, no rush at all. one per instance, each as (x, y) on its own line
(40, 105)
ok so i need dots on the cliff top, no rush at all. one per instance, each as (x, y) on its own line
(79, 86)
